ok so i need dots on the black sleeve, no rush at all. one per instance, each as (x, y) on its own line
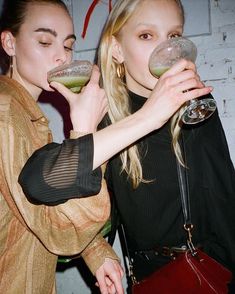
(58, 172)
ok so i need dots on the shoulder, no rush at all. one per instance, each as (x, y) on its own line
(5, 101)
(9, 106)
(5, 106)
(9, 96)
(6, 96)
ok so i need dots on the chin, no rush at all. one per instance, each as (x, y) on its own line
(150, 87)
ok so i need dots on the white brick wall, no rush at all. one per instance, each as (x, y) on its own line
(216, 63)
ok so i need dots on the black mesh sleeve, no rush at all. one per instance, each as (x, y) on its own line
(58, 172)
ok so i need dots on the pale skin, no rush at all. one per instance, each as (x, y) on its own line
(38, 51)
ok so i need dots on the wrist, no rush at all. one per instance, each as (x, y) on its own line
(149, 121)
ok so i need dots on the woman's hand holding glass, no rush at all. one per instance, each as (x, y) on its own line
(88, 107)
(172, 91)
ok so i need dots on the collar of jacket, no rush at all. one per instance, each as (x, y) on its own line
(22, 96)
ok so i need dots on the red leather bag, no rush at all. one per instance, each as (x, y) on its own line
(191, 272)
(187, 274)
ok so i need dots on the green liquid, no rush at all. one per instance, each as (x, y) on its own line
(73, 83)
(158, 71)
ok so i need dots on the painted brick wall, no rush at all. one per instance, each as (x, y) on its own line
(216, 63)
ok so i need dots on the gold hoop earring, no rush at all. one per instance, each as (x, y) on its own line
(11, 67)
(120, 71)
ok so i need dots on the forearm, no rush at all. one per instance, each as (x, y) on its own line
(114, 138)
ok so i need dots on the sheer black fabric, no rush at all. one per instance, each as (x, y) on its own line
(58, 172)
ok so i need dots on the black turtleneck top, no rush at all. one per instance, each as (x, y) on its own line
(151, 214)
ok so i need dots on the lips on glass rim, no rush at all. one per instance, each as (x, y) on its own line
(74, 75)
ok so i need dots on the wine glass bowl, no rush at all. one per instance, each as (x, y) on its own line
(165, 55)
(74, 75)
(169, 52)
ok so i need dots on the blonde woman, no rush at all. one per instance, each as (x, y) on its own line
(143, 178)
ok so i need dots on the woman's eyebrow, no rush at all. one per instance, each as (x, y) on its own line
(54, 33)
(46, 30)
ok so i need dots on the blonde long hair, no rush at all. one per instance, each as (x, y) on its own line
(119, 106)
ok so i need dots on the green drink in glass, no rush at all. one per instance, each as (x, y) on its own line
(157, 71)
(163, 57)
(74, 75)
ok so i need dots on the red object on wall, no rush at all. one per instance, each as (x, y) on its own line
(88, 15)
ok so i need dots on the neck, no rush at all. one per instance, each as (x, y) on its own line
(34, 91)
(138, 89)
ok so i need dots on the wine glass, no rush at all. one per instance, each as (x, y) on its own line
(74, 75)
(167, 54)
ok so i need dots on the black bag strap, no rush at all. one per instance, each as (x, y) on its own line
(129, 266)
(184, 195)
(184, 191)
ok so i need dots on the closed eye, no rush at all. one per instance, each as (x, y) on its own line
(44, 44)
(68, 48)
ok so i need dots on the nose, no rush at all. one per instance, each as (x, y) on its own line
(162, 39)
(61, 56)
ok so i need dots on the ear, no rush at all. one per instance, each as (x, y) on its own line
(8, 42)
(117, 50)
